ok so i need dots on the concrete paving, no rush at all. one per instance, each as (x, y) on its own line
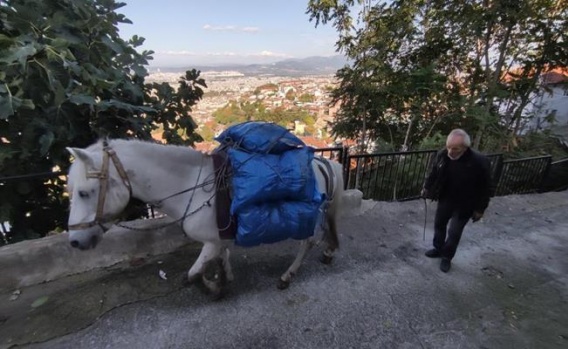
(508, 288)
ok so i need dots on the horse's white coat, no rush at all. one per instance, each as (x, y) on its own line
(155, 172)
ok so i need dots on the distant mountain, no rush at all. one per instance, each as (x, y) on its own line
(290, 67)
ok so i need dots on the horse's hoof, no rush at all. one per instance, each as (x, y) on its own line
(190, 280)
(217, 295)
(326, 259)
(186, 283)
(282, 285)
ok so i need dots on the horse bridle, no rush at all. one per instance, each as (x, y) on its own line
(103, 176)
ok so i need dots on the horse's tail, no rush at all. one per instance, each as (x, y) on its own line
(335, 206)
(336, 203)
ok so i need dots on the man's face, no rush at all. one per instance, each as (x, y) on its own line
(455, 147)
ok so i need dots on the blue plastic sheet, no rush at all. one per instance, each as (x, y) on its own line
(275, 196)
(272, 222)
(259, 178)
(259, 137)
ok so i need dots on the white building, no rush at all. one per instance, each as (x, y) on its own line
(552, 103)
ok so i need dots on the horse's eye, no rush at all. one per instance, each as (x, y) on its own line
(83, 194)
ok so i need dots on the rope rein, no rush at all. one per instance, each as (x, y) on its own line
(218, 179)
(425, 219)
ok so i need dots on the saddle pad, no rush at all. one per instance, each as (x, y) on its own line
(226, 223)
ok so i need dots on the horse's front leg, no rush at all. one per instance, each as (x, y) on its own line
(209, 251)
(305, 246)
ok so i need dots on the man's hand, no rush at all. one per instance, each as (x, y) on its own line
(424, 193)
(476, 216)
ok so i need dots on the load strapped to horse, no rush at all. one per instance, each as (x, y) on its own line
(280, 190)
(274, 191)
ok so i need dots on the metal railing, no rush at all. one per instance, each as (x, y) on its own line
(496, 165)
(522, 176)
(399, 176)
(557, 177)
(389, 176)
(334, 153)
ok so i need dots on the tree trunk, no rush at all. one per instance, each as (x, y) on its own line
(407, 136)
(493, 79)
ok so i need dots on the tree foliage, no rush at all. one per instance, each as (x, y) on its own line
(307, 98)
(67, 78)
(236, 112)
(421, 67)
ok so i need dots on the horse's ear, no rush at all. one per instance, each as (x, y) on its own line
(81, 154)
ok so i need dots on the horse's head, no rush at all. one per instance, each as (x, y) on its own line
(98, 193)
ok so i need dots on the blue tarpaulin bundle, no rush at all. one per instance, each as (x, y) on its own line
(260, 138)
(275, 196)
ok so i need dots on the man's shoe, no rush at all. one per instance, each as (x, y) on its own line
(433, 253)
(445, 265)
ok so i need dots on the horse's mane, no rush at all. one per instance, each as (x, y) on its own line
(185, 153)
(151, 147)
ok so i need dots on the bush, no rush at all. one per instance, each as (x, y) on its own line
(66, 79)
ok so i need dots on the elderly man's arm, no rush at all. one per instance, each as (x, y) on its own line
(431, 178)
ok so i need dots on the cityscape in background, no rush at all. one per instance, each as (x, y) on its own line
(280, 85)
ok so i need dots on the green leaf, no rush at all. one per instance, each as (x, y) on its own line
(26, 103)
(59, 94)
(113, 45)
(82, 99)
(6, 107)
(6, 40)
(60, 43)
(9, 104)
(113, 103)
(137, 41)
(19, 54)
(140, 70)
(71, 38)
(45, 141)
(73, 66)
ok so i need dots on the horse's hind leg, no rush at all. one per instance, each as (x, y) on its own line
(332, 240)
(227, 264)
(305, 246)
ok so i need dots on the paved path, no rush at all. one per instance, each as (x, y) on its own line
(508, 288)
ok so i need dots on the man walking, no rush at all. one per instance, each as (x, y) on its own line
(460, 179)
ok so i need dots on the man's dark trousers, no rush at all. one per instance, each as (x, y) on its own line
(447, 238)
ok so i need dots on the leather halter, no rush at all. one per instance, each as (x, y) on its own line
(103, 176)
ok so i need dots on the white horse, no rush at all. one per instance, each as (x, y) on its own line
(180, 182)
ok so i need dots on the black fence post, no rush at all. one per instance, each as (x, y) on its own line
(496, 170)
(346, 162)
(544, 176)
(556, 178)
(522, 176)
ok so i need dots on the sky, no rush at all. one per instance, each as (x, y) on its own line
(214, 32)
